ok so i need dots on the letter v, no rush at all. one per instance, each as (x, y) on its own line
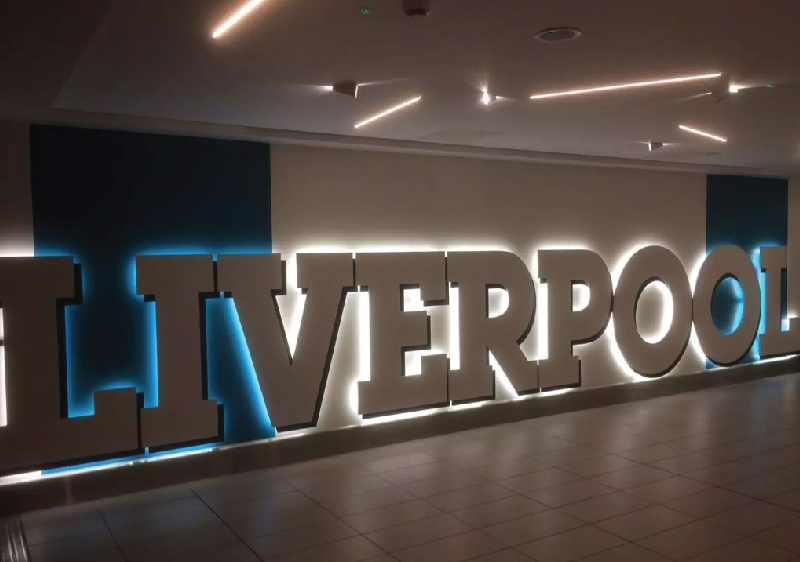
(292, 386)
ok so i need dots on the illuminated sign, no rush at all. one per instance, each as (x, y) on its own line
(292, 376)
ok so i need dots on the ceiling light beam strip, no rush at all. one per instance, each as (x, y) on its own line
(627, 86)
(702, 133)
(388, 112)
(234, 19)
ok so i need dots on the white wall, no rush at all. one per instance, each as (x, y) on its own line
(349, 200)
(16, 220)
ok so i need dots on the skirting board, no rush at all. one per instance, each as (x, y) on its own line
(141, 476)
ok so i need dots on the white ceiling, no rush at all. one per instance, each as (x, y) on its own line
(155, 58)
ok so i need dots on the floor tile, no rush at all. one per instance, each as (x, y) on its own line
(746, 550)
(667, 489)
(398, 462)
(631, 477)
(252, 527)
(498, 511)
(533, 527)
(643, 523)
(240, 491)
(689, 540)
(571, 545)
(604, 507)
(787, 499)
(538, 480)
(786, 536)
(328, 490)
(263, 506)
(626, 553)
(572, 492)
(466, 497)
(689, 462)
(654, 452)
(726, 473)
(509, 469)
(40, 554)
(159, 528)
(418, 532)
(47, 531)
(146, 513)
(708, 502)
(73, 547)
(442, 484)
(764, 485)
(419, 472)
(754, 518)
(567, 456)
(338, 473)
(390, 516)
(301, 538)
(503, 556)
(358, 503)
(484, 458)
(627, 443)
(599, 465)
(179, 545)
(228, 553)
(542, 446)
(457, 548)
(354, 549)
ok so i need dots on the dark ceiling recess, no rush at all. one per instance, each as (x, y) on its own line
(417, 9)
(558, 34)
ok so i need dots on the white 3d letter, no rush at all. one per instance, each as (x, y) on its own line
(652, 264)
(775, 342)
(724, 262)
(393, 331)
(293, 387)
(474, 273)
(561, 269)
(39, 433)
(179, 285)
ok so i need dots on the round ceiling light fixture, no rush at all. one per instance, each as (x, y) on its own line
(558, 34)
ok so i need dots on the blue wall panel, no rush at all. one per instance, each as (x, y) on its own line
(105, 197)
(748, 212)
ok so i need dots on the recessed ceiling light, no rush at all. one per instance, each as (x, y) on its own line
(388, 112)
(626, 86)
(702, 133)
(230, 22)
(734, 88)
(487, 98)
(558, 34)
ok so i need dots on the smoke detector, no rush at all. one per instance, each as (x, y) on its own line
(558, 34)
(417, 9)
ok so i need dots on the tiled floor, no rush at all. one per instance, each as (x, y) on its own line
(706, 476)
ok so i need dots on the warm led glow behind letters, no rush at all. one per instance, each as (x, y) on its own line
(34, 291)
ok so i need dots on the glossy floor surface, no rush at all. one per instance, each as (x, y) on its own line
(705, 476)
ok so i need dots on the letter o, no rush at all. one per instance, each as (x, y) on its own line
(724, 262)
(649, 264)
